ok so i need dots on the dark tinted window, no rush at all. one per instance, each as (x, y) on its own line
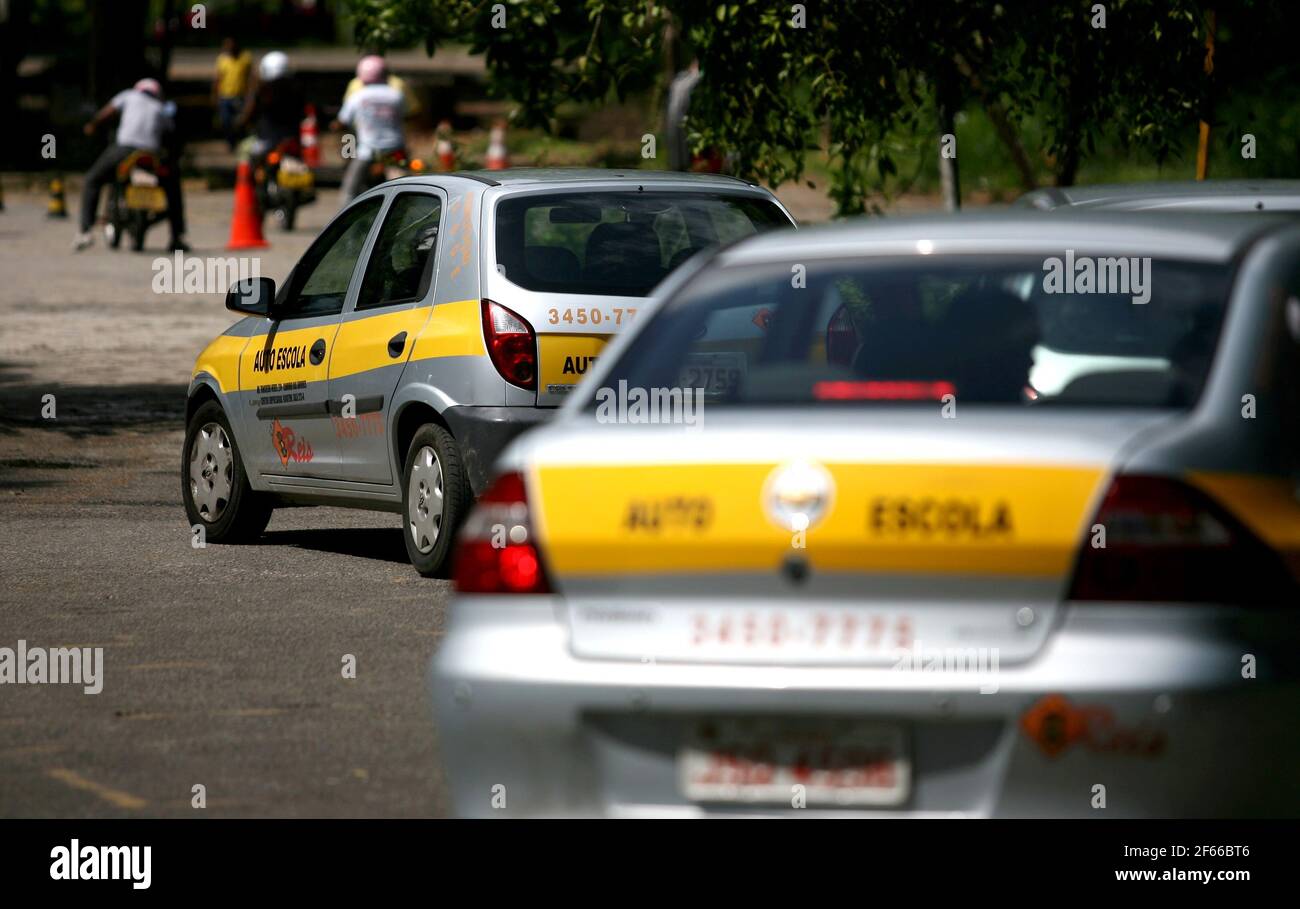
(985, 330)
(617, 243)
(321, 278)
(401, 264)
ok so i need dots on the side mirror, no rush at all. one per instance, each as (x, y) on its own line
(251, 296)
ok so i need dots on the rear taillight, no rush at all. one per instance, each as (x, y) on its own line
(495, 552)
(881, 390)
(511, 345)
(1166, 541)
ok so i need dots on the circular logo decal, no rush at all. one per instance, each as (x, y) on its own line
(797, 495)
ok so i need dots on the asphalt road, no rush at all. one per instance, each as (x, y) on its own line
(222, 665)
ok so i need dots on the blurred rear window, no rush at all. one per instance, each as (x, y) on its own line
(617, 243)
(983, 329)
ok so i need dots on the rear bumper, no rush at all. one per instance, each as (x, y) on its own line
(484, 432)
(1177, 730)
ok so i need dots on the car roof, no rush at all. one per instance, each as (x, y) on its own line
(532, 176)
(519, 175)
(1216, 195)
(1198, 236)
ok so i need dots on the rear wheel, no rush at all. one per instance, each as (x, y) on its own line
(435, 498)
(214, 484)
(139, 227)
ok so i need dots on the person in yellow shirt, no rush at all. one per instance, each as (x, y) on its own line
(409, 100)
(230, 86)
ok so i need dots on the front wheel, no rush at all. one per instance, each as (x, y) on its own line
(435, 498)
(113, 227)
(287, 214)
(214, 483)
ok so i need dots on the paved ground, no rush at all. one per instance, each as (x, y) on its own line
(222, 665)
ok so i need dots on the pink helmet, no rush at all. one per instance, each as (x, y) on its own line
(149, 87)
(372, 69)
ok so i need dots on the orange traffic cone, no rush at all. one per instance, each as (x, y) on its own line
(246, 224)
(446, 154)
(497, 157)
(308, 138)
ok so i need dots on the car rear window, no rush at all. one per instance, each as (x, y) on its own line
(985, 330)
(617, 243)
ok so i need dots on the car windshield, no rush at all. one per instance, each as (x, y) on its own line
(617, 243)
(987, 330)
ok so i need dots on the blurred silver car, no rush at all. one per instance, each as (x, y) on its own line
(994, 516)
(1170, 195)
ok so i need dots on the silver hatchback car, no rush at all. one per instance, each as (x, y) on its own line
(434, 319)
(995, 515)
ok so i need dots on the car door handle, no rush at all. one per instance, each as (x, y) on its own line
(318, 351)
(396, 344)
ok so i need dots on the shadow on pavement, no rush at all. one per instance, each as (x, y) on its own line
(82, 410)
(383, 544)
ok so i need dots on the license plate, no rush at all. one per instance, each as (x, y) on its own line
(291, 180)
(816, 763)
(146, 198)
(717, 373)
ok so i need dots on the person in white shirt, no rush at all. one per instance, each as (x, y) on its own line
(143, 124)
(376, 111)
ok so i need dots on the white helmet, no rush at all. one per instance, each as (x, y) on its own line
(274, 65)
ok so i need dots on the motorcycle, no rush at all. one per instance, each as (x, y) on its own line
(284, 183)
(137, 200)
(389, 165)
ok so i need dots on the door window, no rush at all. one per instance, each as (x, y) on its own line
(319, 285)
(401, 266)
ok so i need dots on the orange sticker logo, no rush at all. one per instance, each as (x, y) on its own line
(289, 446)
(1055, 724)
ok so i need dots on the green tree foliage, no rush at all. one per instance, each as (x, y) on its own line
(783, 79)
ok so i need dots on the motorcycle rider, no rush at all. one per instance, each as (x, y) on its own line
(274, 106)
(408, 94)
(144, 123)
(377, 111)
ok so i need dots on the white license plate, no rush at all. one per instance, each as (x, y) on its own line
(809, 764)
(717, 373)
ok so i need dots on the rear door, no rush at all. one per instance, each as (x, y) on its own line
(578, 265)
(284, 370)
(377, 334)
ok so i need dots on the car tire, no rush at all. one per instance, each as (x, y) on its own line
(214, 486)
(139, 227)
(433, 474)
